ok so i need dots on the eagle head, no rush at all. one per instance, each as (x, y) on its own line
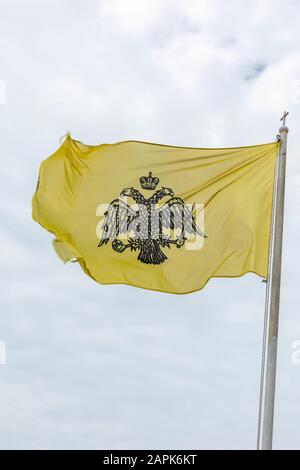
(167, 191)
(129, 192)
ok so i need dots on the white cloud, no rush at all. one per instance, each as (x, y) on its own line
(189, 60)
(134, 17)
(275, 88)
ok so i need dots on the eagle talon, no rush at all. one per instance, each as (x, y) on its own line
(180, 242)
(118, 245)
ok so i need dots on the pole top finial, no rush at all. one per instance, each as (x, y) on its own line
(283, 118)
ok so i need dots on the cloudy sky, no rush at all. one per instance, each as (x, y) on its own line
(95, 367)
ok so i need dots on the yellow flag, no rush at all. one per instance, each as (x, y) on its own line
(157, 216)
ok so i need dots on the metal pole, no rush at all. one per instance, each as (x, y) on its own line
(269, 356)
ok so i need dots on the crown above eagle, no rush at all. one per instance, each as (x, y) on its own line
(149, 182)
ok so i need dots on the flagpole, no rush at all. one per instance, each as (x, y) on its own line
(269, 355)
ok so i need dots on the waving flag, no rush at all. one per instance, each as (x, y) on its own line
(157, 216)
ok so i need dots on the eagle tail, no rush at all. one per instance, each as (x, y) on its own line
(150, 253)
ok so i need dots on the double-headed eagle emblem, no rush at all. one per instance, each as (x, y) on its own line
(149, 224)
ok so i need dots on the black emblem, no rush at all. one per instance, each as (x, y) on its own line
(148, 224)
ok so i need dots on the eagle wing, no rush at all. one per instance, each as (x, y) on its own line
(118, 218)
(175, 214)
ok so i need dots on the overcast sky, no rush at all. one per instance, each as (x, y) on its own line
(94, 367)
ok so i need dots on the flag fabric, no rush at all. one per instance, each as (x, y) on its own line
(159, 217)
